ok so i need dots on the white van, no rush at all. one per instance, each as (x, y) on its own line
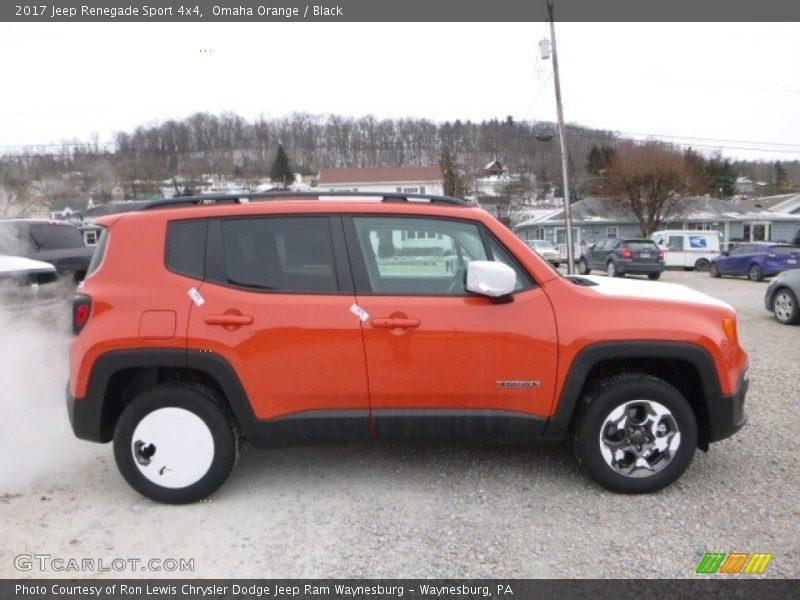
(688, 249)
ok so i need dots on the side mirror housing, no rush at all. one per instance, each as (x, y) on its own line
(490, 278)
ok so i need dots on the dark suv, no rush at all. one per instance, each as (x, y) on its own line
(619, 257)
(56, 242)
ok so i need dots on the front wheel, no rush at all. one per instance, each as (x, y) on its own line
(755, 273)
(175, 443)
(784, 307)
(635, 433)
(583, 268)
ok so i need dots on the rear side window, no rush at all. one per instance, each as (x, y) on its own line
(283, 254)
(186, 248)
(99, 253)
(785, 250)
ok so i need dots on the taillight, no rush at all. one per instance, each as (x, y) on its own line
(81, 311)
(626, 253)
(660, 254)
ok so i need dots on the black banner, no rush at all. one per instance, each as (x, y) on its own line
(390, 589)
(395, 10)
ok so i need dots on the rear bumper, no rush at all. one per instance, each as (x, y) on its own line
(85, 416)
(639, 268)
(726, 416)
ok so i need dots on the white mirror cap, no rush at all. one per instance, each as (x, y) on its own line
(490, 278)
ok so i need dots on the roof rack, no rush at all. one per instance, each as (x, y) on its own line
(245, 198)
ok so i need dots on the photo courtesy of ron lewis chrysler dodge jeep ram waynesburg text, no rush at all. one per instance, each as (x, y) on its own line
(205, 322)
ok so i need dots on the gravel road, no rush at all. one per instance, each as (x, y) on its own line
(408, 510)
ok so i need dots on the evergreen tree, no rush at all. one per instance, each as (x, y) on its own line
(281, 170)
(721, 177)
(594, 162)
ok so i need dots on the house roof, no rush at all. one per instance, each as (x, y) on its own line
(788, 203)
(380, 175)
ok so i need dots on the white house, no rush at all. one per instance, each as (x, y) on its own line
(401, 180)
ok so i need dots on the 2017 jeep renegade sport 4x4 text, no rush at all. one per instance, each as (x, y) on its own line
(204, 322)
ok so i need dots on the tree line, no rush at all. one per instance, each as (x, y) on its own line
(229, 146)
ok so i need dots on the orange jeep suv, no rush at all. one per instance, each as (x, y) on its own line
(207, 321)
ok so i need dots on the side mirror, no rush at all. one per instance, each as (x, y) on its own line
(724, 253)
(590, 247)
(490, 278)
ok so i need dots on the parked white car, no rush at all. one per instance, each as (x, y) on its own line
(546, 250)
(25, 282)
(688, 249)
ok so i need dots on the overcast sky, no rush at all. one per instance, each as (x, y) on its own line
(732, 86)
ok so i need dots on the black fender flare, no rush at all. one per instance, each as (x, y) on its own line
(589, 357)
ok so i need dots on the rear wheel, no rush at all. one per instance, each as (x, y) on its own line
(611, 270)
(175, 443)
(583, 268)
(635, 433)
(784, 307)
(713, 270)
(702, 265)
(755, 273)
(653, 276)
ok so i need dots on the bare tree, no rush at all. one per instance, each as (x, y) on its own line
(651, 180)
(16, 199)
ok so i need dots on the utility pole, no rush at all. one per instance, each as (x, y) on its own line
(562, 138)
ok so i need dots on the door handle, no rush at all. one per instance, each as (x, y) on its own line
(229, 320)
(394, 323)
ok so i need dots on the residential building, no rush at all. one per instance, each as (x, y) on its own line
(401, 180)
(594, 219)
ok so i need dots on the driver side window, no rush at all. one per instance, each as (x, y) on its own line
(424, 256)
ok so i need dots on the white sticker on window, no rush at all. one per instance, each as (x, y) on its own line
(196, 297)
(359, 312)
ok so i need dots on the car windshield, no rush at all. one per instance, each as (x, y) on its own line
(541, 244)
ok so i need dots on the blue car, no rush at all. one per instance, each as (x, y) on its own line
(756, 260)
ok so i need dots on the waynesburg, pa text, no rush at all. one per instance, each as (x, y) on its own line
(275, 591)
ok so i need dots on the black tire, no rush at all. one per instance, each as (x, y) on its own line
(755, 273)
(191, 399)
(596, 409)
(785, 308)
(654, 276)
(611, 270)
(555, 265)
(702, 265)
(583, 268)
(713, 270)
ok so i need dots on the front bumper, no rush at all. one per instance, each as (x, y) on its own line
(727, 415)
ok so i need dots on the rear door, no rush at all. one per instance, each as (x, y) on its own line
(276, 304)
(440, 359)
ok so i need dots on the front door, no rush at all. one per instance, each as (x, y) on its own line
(440, 359)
